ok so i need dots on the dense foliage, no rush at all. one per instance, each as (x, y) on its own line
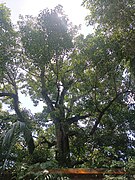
(86, 85)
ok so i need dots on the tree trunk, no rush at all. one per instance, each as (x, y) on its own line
(63, 151)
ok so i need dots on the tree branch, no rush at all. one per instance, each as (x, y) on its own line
(101, 114)
(77, 118)
(57, 84)
(31, 145)
(44, 91)
(79, 162)
(16, 104)
(63, 93)
(45, 141)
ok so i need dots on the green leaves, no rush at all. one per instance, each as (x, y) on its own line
(9, 136)
(46, 36)
(116, 20)
(7, 40)
(14, 132)
(109, 14)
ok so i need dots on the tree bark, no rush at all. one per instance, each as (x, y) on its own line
(63, 151)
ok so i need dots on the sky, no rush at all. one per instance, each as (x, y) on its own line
(72, 8)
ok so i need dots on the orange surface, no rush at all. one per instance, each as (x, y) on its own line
(86, 171)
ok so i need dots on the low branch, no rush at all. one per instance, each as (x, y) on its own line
(77, 118)
(45, 141)
(79, 162)
(73, 133)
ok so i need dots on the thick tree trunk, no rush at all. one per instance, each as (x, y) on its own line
(63, 151)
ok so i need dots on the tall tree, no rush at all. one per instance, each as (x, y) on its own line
(47, 41)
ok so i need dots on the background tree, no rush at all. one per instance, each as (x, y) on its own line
(116, 19)
(10, 76)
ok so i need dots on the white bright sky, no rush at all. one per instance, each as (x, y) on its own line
(72, 8)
